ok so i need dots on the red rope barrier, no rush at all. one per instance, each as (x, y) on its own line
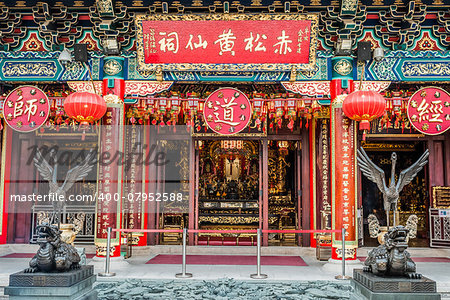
(300, 231)
(220, 231)
(264, 231)
(147, 230)
(224, 231)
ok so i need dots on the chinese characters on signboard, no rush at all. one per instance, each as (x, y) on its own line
(227, 111)
(133, 178)
(200, 41)
(26, 108)
(429, 110)
(347, 175)
(324, 151)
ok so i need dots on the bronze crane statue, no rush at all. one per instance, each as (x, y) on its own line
(49, 173)
(391, 192)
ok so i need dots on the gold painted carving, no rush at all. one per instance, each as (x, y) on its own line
(112, 67)
(349, 252)
(441, 196)
(413, 69)
(343, 67)
(105, 6)
(349, 5)
(228, 219)
(112, 99)
(30, 69)
(387, 147)
(339, 99)
(101, 250)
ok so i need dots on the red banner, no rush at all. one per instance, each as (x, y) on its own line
(344, 175)
(109, 196)
(429, 110)
(133, 184)
(343, 181)
(227, 42)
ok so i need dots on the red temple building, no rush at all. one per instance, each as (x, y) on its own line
(223, 116)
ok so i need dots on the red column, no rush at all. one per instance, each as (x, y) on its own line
(150, 186)
(265, 173)
(343, 161)
(447, 157)
(192, 208)
(133, 203)
(5, 183)
(197, 182)
(306, 185)
(110, 169)
(320, 172)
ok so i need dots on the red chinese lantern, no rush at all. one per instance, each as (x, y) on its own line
(364, 106)
(85, 107)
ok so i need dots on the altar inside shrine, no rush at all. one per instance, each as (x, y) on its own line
(228, 190)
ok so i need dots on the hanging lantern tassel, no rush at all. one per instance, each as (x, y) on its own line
(364, 125)
(84, 126)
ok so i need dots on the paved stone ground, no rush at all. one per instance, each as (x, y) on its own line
(135, 266)
(222, 289)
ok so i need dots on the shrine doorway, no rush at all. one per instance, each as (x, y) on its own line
(248, 184)
(284, 203)
(229, 180)
(62, 148)
(413, 200)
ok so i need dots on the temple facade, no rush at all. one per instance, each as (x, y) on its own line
(223, 116)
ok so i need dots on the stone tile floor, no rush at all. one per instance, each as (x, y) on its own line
(222, 289)
(135, 266)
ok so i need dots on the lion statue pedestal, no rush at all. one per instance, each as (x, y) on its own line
(54, 273)
(390, 273)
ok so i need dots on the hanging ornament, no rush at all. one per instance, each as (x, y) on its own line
(364, 106)
(162, 105)
(291, 124)
(257, 106)
(315, 108)
(291, 104)
(85, 107)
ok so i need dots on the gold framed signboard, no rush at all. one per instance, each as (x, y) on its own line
(226, 42)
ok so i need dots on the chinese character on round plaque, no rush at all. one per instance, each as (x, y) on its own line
(227, 111)
(429, 110)
(26, 108)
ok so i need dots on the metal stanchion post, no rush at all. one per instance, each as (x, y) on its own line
(258, 274)
(108, 250)
(183, 273)
(343, 276)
